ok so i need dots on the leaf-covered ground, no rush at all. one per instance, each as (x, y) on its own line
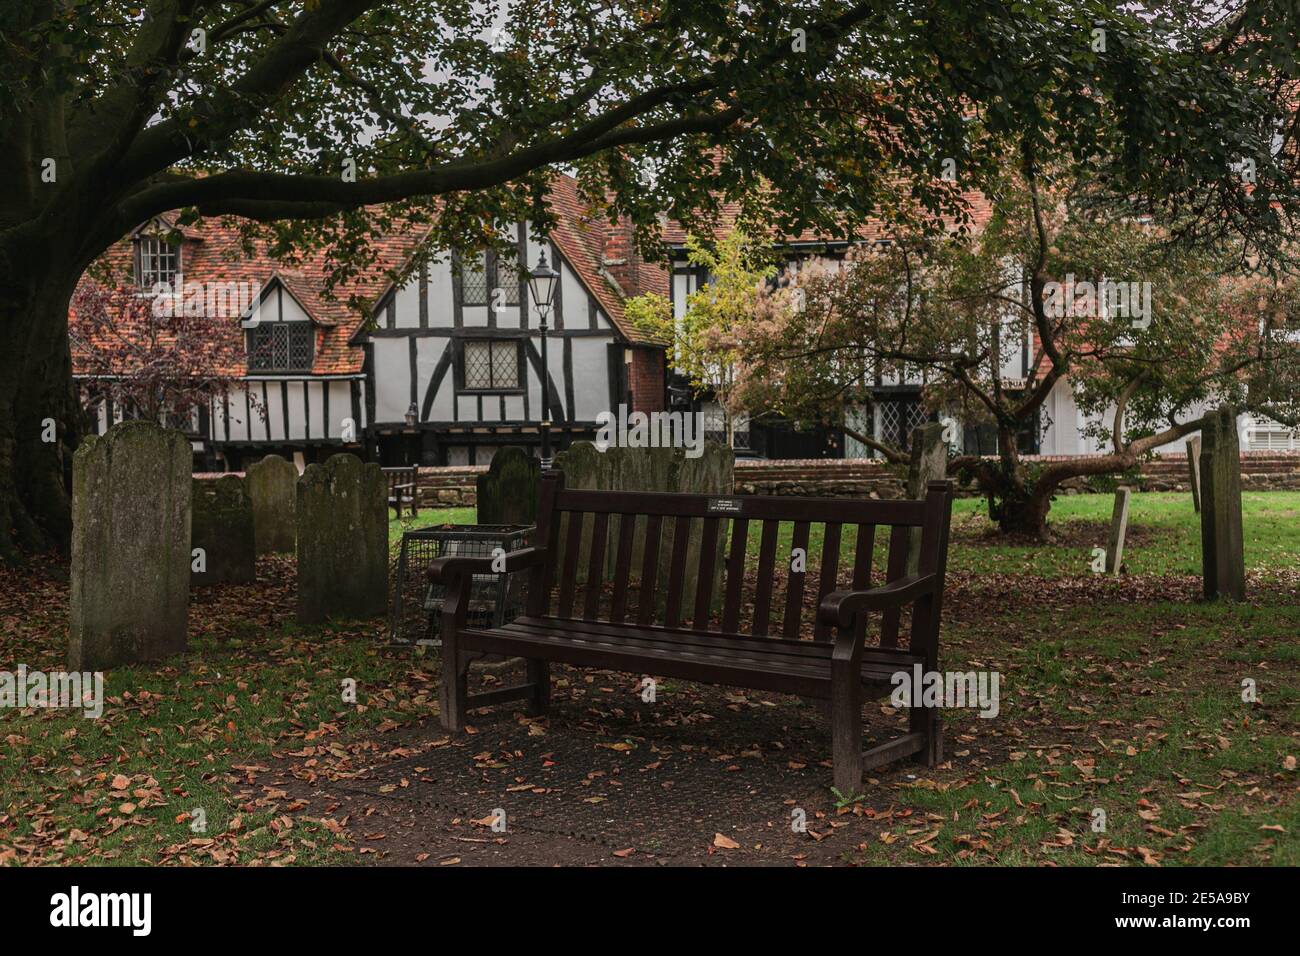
(1120, 696)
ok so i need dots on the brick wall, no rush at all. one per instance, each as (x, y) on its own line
(866, 478)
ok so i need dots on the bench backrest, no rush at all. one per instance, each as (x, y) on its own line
(401, 476)
(695, 579)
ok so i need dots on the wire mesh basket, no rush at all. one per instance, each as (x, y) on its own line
(494, 598)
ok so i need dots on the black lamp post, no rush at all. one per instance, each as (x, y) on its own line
(541, 285)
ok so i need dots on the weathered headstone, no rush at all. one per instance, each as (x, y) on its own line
(1223, 563)
(342, 534)
(649, 469)
(929, 463)
(507, 493)
(584, 468)
(221, 533)
(272, 485)
(130, 571)
(1194, 470)
(1118, 530)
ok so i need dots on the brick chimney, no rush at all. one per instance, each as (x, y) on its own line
(620, 262)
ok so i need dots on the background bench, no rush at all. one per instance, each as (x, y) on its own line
(403, 489)
(594, 626)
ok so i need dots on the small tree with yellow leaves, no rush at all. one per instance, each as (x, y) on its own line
(703, 342)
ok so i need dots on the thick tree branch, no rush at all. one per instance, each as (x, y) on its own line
(249, 194)
(891, 453)
(212, 119)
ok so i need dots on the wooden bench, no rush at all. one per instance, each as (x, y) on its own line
(403, 489)
(661, 637)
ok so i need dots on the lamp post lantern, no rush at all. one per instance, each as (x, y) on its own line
(541, 285)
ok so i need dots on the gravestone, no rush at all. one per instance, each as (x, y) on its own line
(585, 468)
(272, 485)
(507, 494)
(649, 469)
(1223, 563)
(221, 525)
(1194, 470)
(929, 463)
(130, 572)
(1118, 529)
(342, 540)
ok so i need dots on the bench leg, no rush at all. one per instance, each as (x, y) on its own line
(539, 697)
(926, 720)
(455, 690)
(846, 729)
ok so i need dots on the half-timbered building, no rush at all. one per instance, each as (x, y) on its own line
(442, 368)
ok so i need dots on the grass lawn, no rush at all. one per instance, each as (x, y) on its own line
(1164, 537)
(1123, 697)
(428, 518)
(1131, 709)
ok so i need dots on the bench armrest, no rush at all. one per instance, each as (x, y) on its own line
(839, 608)
(448, 569)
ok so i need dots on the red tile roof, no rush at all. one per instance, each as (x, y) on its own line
(212, 251)
(582, 237)
(601, 255)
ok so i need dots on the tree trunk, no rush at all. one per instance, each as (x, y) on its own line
(40, 420)
(1026, 513)
(1018, 500)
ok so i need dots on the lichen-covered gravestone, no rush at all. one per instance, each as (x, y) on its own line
(221, 533)
(1223, 564)
(649, 469)
(342, 514)
(507, 494)
(272, 485)
(130, 574)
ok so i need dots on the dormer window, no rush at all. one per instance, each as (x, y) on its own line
(157, 261)
(281, 347)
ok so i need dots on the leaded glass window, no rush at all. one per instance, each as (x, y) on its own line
(474, 279)
(280, 347)
(508, 279)
(482, 274)
(492, 364)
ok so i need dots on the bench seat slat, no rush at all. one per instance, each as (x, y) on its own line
(664, 656)
(746, 645)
